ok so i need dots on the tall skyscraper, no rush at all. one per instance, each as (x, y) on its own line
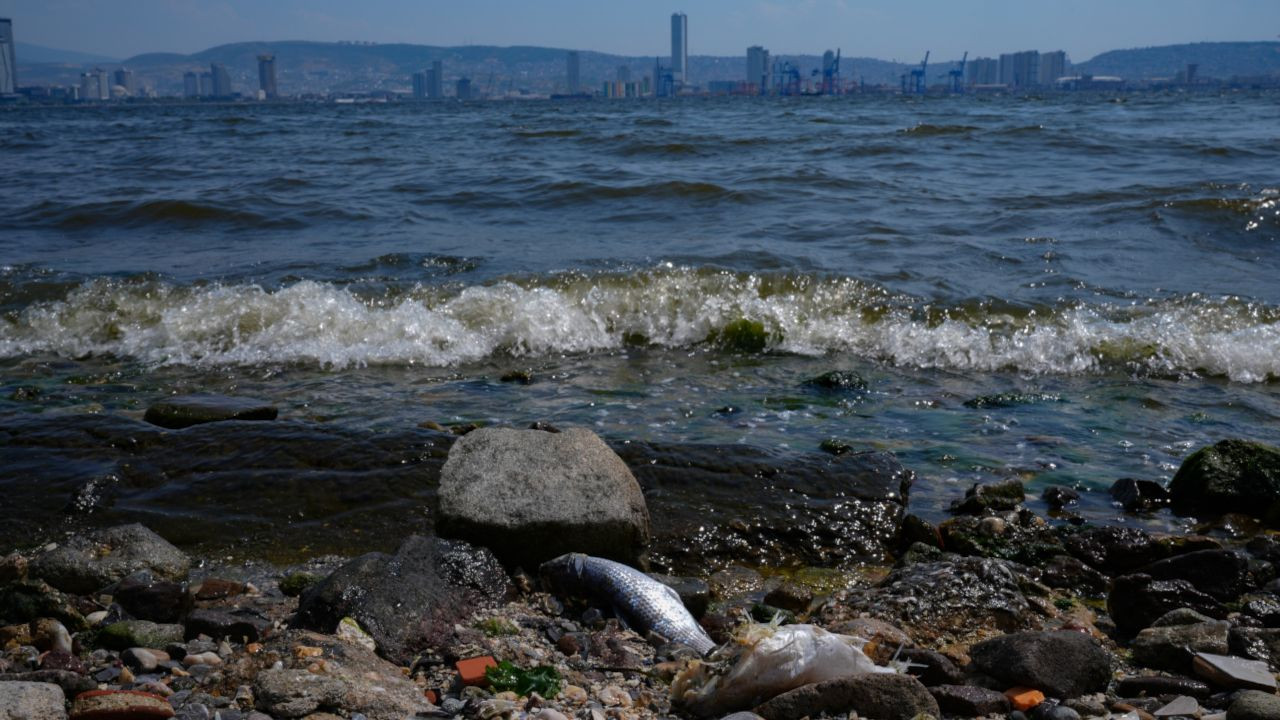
(95, 85)
(1053, 65)
(435, 86)
(420, 85)
(463, 89)
(982, 71)
(572, 71)
(680, 48)
(124, 78)
(1020, 70)
(191, 84)
(267, 75)
(8, 59)
(758, 69)
(221, 80)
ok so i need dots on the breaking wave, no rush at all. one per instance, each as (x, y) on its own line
(667, 306)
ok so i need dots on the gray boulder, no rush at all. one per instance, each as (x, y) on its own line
(1254, 705)
(1229, 476)
(1064, 664)
(879, 696)
(1170, 647)
(408, 601)
(86, 563)
(970, 700)
(295, 693)
(32, 701)
(183, 411)
(531, 495)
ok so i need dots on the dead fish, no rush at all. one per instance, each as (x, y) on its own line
(642, 602)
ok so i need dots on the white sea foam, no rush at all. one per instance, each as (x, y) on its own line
(327, 325)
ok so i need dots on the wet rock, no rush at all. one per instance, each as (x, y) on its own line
(873, 695)
(1181, 706)
(531, 496)
(146, 598)
(694, 592)
(1053, 711)
(962, 599)
(294, 584)
(72, 683)
(1254, 705)
(1059, 496)
(735, 582)
(184, 411)
(1139, 495)
(1063, 664)
(1231, 672)
(1222, 574)
(120, 705)
(1115, 550)
(804, 509)
(409, 601)
(1229, 476)
(139, 660)
(86, 563)
(1256, 644)
(1019, 536)
(790, 596)
(837, 381)
(916, 529)
(1136, 601)
(984, 498)
(31, 701)
(1010, 399)
(1264, 607)
(139, 633)
(931, 667)
(49, 634)
(1159, 685)
(874, 630)
(970, 700)
(295, 693)
(62, 660)
(243, 626)
(22, 602)
(1069, 573)
(216, 589)
(368, 685)
(1170, 647)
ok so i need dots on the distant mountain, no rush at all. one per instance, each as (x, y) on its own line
(1222, 60)
(28, 53)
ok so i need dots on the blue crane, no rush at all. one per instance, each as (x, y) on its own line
(917, 76)
(957, 75)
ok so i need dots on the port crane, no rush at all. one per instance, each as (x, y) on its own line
(957, 75)
(788, 78)
(831, 76)
(918, 83)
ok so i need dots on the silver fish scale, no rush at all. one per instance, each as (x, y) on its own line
(649, 604)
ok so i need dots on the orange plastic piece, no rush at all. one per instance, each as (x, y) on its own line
(472, 670)
(1024, 698)
(432, 697)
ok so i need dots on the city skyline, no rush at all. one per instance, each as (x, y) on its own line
(875, 28)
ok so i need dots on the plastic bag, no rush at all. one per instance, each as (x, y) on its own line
(764, 661)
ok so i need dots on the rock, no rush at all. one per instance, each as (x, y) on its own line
(350, 631)
(72, 683)
(1059, 496)
(49, 634)
(837, 381)
(1256, 644)
(531, 496)
(1181, 616)
(1139, 495)
(1222, 574)
(1170, 647)
(742, 716)
(1053, 711)
(970, 700)
(884, 696)
(29, 600)
(31, 701)
(120, 705)
(1115, 550)
(1229, 476)
(984, 498)
(1263, 606)
(1156, 685)
(217, 588)
(86, 563)
(931, 667)
(204, 658)
(295, 693)
(735, 582)
(62, 660)
(1135, 601)
(147, 598)
(1254, 705)
(409, 601)
(790, 596)
(184, 411)
(964, 599)
(139, 633)
(1182, 705)
(294, 584)
(367, 684)
(1231, 672)
(1065, 664)
(139, 660)
(1069, 573)
(242, 626)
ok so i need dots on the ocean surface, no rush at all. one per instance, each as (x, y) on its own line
(1063, 290)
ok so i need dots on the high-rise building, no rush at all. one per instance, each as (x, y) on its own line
(8, 59)
(267, 75)
(1053, 65)
(191, 84)
(573, 78)
(420, 85)
(758, 69)
(124, 78)
(463, 89)
(206, 84)
(680, 48)
(982, 71)
(95, 85)
(1020, 70)
(435, 84)
(221, 80)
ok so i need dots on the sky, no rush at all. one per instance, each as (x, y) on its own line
(884, 29)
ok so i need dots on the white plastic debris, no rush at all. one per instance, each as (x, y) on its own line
(765, 660)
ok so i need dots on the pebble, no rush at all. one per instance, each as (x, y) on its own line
(573, 694)
(204, 658)
(614, 696)
(139, 659)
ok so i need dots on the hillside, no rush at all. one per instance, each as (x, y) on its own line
(28, 53)
(1217, 60)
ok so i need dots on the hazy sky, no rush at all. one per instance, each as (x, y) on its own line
(886, 29)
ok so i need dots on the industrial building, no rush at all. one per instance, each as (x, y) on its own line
(757, 70)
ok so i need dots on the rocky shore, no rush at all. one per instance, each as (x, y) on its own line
(996, 612)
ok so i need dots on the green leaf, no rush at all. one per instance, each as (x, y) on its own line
(542, 679)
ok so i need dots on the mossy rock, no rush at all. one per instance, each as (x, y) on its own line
(138, 633)
(294, 584)
(837, 381)
(1230, 476)
(743, 336)
(835, 446)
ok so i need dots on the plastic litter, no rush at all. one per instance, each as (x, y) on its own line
(764, 660)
